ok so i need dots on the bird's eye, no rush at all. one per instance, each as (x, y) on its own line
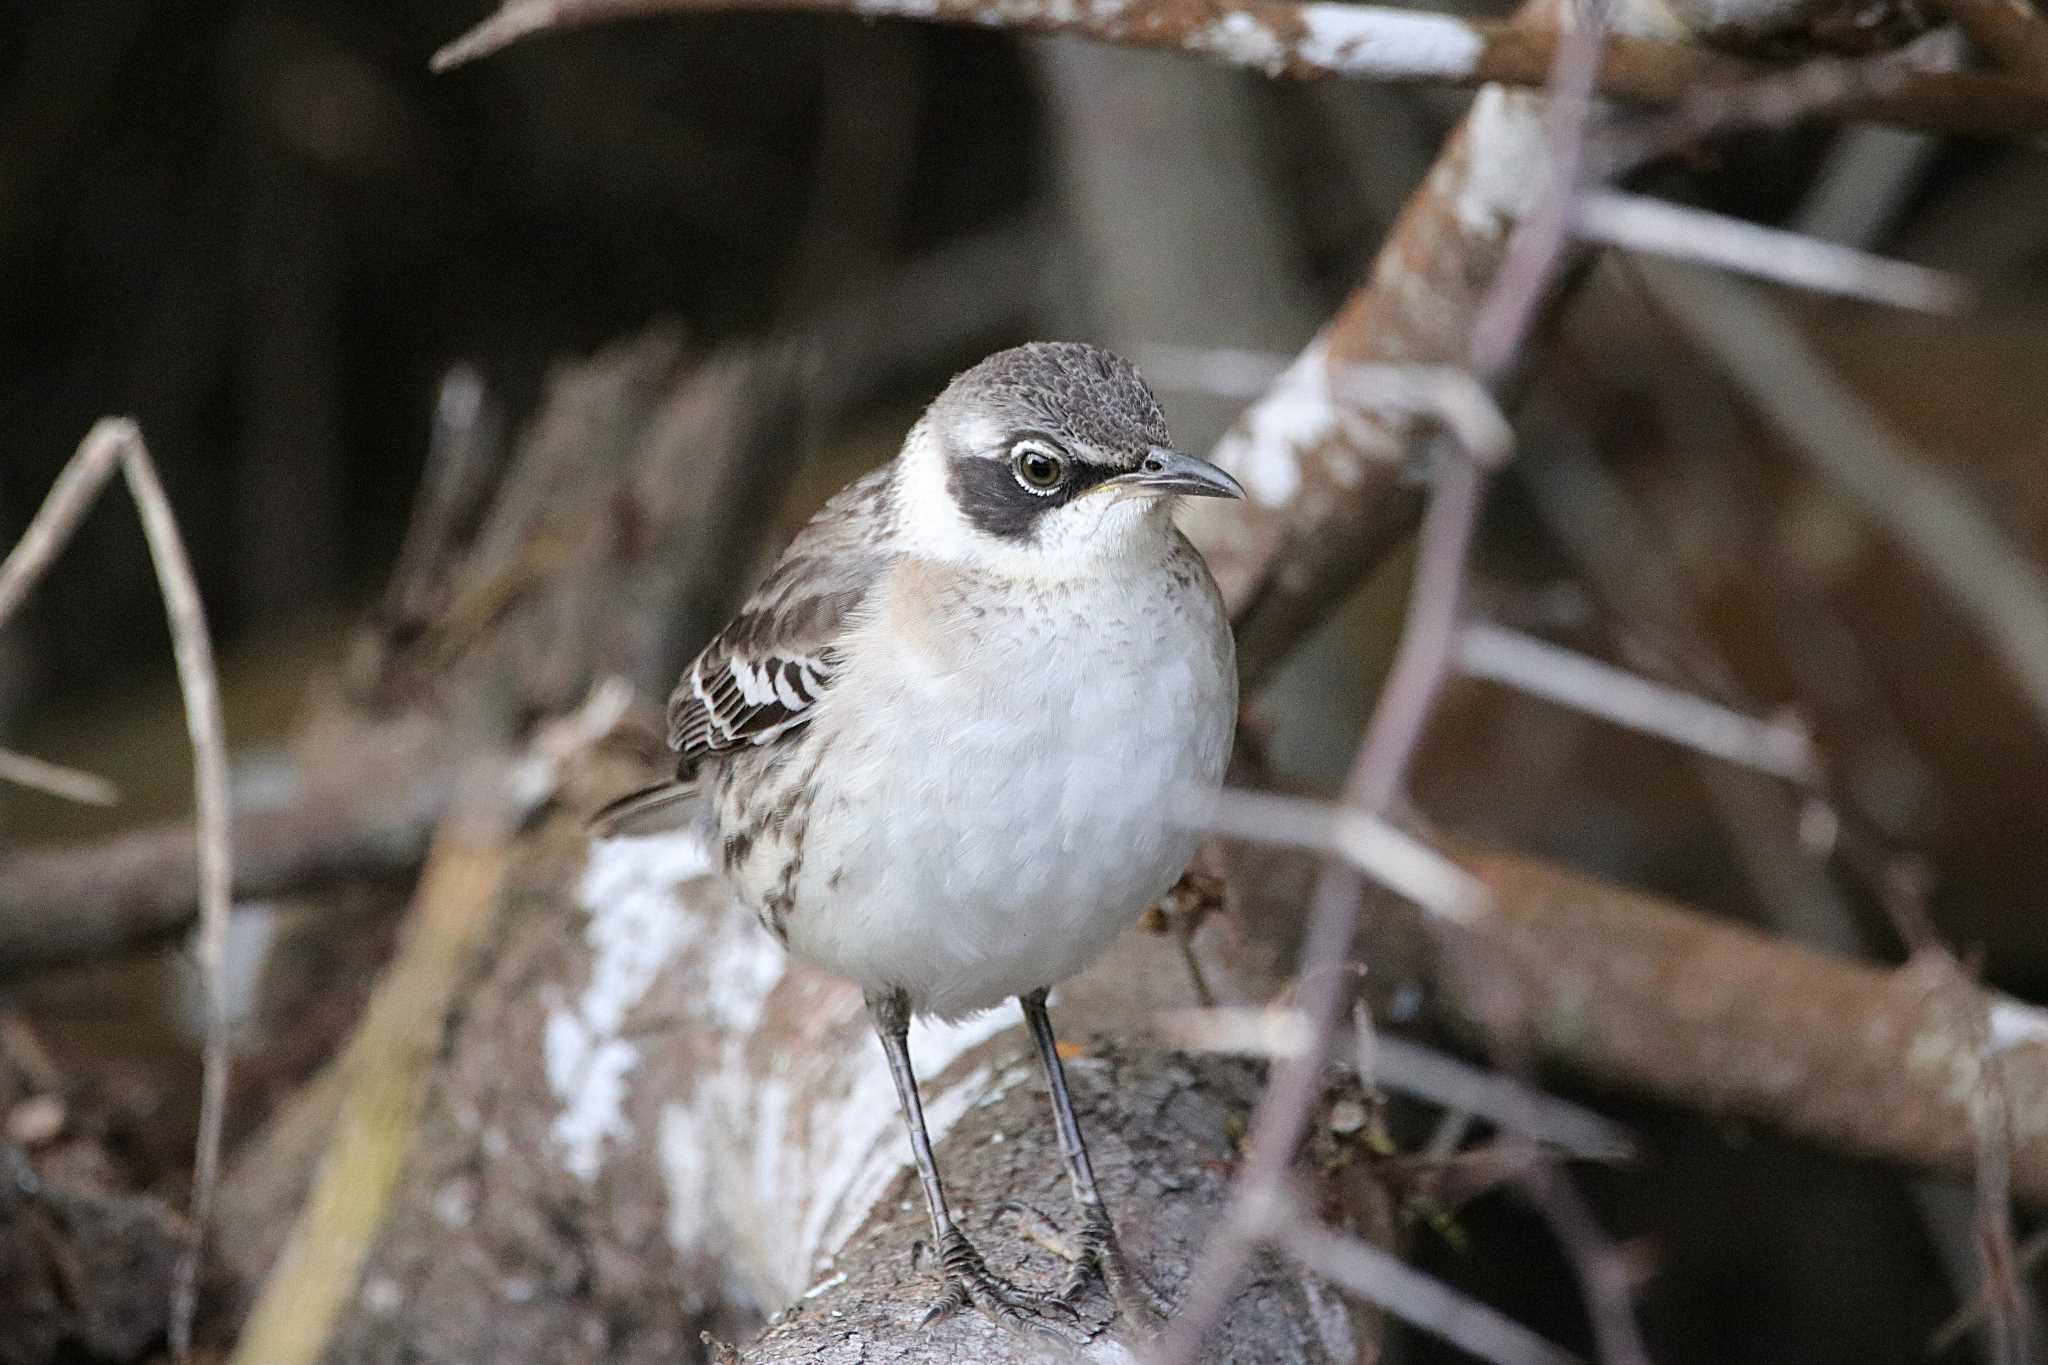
(1038, 469)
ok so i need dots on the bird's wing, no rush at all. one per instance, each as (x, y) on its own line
(759, 677)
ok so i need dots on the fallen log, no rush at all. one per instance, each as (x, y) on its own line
(646, 1123)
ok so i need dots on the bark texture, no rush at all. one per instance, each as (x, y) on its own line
(647, 1124)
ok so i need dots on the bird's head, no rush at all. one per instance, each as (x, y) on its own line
(1045, 460)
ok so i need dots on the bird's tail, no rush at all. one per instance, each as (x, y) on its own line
(650, 810)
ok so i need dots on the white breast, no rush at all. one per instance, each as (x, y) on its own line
(995, 805)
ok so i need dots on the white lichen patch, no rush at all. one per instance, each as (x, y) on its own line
(1242, 40)
(1332, 1321)
(636, 926)
(382, 1296)
(902, 9)
(1362, 40)
(1507, 161)
(1265, 449)
(2013, 1024)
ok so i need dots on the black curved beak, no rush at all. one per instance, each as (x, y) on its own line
(1168, 471)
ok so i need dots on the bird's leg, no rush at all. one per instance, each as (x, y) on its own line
(969, 1282)
(1096, 1252)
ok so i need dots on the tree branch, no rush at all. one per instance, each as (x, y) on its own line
(1630, 990)
(1308, 41)
(116, 443)
(140, 888)
(2008, 31)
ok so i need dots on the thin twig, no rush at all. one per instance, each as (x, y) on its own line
(1636, 222)
(1536, 256)
(1411, 1069)
(68, 500)
(1542, 669)
(1450, 394)
(193, 651)
(1419, 1300)
(2032, 1253)
(1390, 856)
(88, 789)
(1318, 40)
(1767, 100)
(115, 441)
(1421, 664)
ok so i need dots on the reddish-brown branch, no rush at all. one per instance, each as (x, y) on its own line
(1634, 991)
(1308, 41)
(2008, 31)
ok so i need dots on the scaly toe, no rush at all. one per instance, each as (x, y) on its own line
(1100, 1260)
(970, 1283)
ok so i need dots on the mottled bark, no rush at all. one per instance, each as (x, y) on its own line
(1308, 41)
(646, 1123)
(1630, 990)
(84, 1272)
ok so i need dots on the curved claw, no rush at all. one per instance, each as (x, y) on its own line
(1099, 1258)
(951, 1300)
(970, 1284)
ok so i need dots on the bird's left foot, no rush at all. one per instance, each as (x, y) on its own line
(970, 1284)
(1095, 1257)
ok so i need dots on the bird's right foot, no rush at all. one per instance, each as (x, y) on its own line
(1095, 1258)
(971, 1284)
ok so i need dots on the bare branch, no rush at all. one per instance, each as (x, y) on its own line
(1777, 99)
(193, 651)
(37, 774)
(112, 442)
(2031, 1254)
(1636, 222)
(1395, 859)
(1411, 1069)
(1420, 1300)
(387, 1067)
(1544, 670)
(68, 500)
(1627, 989)
(1314, 40)
(1499, 1099)
(1548, 148)
(140, 887)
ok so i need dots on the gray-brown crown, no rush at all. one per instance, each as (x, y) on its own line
(1064, 389)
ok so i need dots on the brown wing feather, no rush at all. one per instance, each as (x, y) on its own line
(758, 678)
